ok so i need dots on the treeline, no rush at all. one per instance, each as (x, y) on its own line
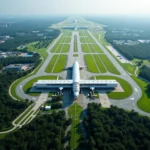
(9, 108)
(139, 51)
(116, 129)
(12, 44)
(46, 132)
(18, 60)
(27, 25)
(145, 73)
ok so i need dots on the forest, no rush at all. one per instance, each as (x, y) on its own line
(139, 51)
(9, 108)
(12, 44)
(116, 129)
(145, 73)
(18, 60)
(27, 30)
(127, 28)
(46, 132)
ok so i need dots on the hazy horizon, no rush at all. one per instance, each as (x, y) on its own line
(75, 7)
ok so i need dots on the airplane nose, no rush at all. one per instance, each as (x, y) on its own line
(76, 94)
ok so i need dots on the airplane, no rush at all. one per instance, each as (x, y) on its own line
(76, 83)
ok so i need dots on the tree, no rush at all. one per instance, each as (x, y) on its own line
(148, 87)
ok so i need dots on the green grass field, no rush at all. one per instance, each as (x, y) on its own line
(81, 33)
(91, 48)
(56, 47)
(51, 64)
(67, 40)
(75, 55)
(110, 67)
(97, 48)
(85, 48)
(57, 64)
(30, 83)
(63, 48)
(82, 40)
(60, 64)
(91, 66)
(125, 85)
(75, 112)
(144, 102)
(100, 37)
(100, 64)
(128, 67)
(75, 44)
(89, 39)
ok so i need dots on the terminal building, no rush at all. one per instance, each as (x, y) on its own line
(76, 83)
(75, 27)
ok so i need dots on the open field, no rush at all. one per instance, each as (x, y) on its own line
(60, 64)
(91, 48)
(51, 64)
(85, 48)
(57, 64)
(100, 64)
(88, 38)
(97, 48)
(67, 40)
(75, 44)
(144, 102)
(75, 112)
(110, 67)
(125, 85)
(100, 37)
(82, 40)
(75, 55)
(62, 46)
(91, 66)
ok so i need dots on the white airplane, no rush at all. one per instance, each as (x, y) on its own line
(76, 83)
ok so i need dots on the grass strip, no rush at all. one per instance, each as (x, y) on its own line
(110, 67)
(51, 64)
(144, 102)
(60, 64)
(100, 64)
(75, 113)
(91, 66)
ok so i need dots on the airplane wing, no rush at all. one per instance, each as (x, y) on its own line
(98, 83)
(54, 83)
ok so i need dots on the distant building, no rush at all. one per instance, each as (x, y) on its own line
(47, 107)
(1, 41)
(75, 27)
(17, 67)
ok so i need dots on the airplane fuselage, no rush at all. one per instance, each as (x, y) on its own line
(76, 79)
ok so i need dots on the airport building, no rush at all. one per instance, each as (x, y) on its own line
(76, 83)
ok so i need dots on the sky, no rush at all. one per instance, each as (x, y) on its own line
(74, 7)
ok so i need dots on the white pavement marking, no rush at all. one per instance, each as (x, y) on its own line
(132, 98)
(136, 90)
